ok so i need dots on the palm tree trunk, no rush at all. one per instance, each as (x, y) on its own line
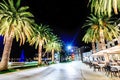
(40, 54)
(102, 39)
(6, 54)
(115, 6)
(99, 46)
(119, 40)
(93, 48)
(52, 55)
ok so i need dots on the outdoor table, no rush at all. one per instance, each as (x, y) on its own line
(101, 66)
(117, 67)
(95, 63)
(113, 64)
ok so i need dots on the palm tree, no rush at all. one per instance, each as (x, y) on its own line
(40, 38)
(104, 6)
(91, 36)
(15, 22)
(53, 45)
(100, 28)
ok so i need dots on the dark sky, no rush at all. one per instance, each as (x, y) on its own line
(65, 17)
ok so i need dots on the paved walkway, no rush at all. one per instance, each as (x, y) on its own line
(75, 70)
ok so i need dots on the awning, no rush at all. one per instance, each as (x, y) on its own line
(100, 53)
(112, 50)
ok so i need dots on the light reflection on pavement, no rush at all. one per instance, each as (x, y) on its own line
(75, 70)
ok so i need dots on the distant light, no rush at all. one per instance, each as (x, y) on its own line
(72, 50)
(69, 47)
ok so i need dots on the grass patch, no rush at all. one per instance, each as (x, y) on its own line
(23, 67)
(7, 71)
(26, 66)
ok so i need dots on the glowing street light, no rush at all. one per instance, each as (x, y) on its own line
(69, 47)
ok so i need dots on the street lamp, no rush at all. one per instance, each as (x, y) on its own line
(69, 47)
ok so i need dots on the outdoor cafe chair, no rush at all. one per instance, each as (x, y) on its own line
(109, 70)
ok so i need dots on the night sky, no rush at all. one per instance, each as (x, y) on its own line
(65, 17)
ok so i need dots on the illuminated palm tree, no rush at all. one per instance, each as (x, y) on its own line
(100, 28)
(40, 38)
(15, 22)
(104, 6)
(53, 45)
(91, 36)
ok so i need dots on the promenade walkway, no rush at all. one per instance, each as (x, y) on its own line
(75, 70)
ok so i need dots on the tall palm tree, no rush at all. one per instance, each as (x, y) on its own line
(53, 45)
(91, 36)
(100, 28)
(104, 6)
(15, 22)
(40, 38)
